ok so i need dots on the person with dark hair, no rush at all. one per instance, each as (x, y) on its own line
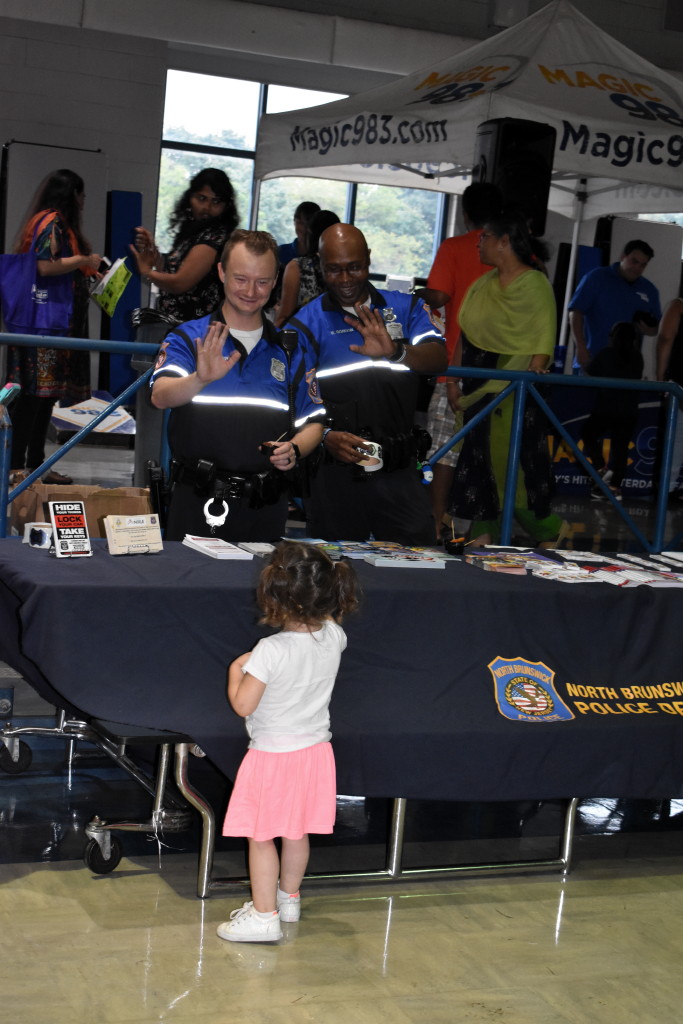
(52, 233)
(244, 409)
(611, 294)
(203, 218)
(456, 266)
(303, 215)
(615, 412)
(286, 785)
(371, 348)
(303, 278)
(508, 322)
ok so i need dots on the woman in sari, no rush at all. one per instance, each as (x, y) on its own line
(52, 233)
(508, 322)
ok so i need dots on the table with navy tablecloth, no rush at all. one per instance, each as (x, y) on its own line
(457, 684)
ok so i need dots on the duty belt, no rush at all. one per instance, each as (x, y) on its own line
(211, 480)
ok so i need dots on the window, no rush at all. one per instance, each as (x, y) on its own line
(197, 136)
(401, 224)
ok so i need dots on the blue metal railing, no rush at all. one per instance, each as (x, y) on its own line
(525, 383)
(521, 384)
(88, 344)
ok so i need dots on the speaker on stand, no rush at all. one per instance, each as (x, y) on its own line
(517, 156)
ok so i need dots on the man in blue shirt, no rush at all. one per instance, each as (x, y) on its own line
(608, 295)
(370, 348)
(231, 386)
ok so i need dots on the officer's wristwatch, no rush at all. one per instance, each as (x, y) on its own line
(399, 353)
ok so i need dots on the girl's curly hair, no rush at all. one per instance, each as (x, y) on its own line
(302, 583)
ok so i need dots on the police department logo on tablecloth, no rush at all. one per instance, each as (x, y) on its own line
(277, 369)
(525, 691)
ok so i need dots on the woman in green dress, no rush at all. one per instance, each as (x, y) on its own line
(508, 322)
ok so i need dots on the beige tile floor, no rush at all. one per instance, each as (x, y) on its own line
(605, 945)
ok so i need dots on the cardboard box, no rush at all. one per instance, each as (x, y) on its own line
(31, 505)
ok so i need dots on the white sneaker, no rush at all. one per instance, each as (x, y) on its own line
(245, 925)
(289, 906)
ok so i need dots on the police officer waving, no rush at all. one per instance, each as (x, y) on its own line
(370, 347)
(229, 382)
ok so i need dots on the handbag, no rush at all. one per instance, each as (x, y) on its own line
(31, 303)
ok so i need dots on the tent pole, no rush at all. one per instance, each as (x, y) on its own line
(565, 339)
(255, 200)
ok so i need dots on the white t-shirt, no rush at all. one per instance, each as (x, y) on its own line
(299, 670)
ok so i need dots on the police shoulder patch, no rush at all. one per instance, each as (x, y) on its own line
(313, 388)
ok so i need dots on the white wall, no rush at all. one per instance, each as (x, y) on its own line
(71, 87)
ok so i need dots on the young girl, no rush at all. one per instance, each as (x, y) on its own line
(286, 784)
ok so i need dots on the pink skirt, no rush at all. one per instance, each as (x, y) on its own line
(283, 794)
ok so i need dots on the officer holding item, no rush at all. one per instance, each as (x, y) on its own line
(370, 347)
(244, 406)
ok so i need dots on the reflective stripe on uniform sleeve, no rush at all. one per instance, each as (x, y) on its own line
(170, 368)
(317, 414)
(377, 364)
(427, 336)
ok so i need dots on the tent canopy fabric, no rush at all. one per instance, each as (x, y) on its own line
(618, 118)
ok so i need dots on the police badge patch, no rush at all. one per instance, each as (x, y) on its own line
(277, 369)
(394, 328)
(525, 691)
(313, 389)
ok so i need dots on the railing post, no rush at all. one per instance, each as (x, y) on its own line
(665, 471)
(512, 470)
(5, 465)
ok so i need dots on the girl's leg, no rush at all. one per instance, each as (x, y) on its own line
(295, 854)
(264, 868)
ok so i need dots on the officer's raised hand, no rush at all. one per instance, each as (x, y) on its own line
(376, 340)
(171, 392)
(211, 363)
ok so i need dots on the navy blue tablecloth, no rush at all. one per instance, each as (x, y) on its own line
(146, 640)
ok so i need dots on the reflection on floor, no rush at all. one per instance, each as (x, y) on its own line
(601, 945)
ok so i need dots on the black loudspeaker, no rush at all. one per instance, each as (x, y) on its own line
(517, 156)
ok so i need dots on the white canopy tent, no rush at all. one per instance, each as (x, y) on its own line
(618, 118)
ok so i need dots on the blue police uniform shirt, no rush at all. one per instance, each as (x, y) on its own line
(362, 395)
(606, 298)
(288, 251)
(228, 420)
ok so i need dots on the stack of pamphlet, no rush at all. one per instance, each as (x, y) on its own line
(515, 561)
(262, 549)
(215, 547)
(384, 553)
